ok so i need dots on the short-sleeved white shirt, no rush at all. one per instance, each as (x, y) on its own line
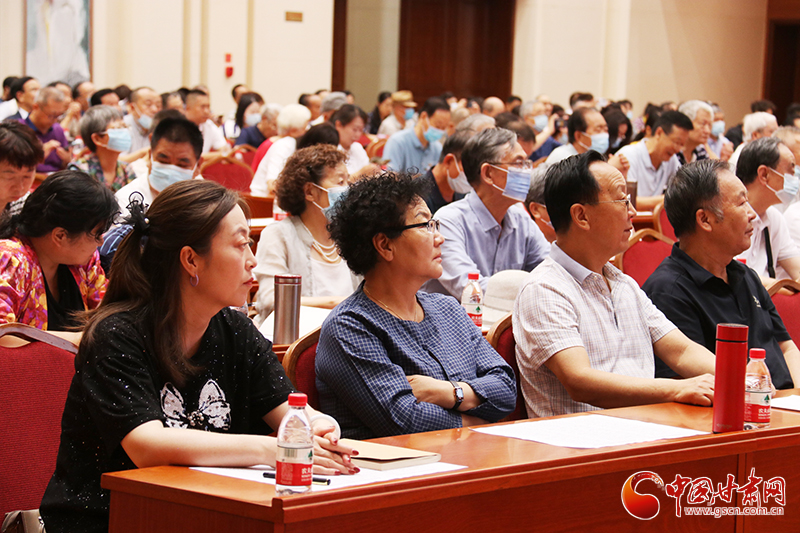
(357, 157)
(562, 305)
(783, 247)
(271, 165)
(212, 137)
(560, 153)
(651, 181)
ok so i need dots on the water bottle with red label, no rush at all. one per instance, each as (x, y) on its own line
(472, 299)
(758, 391)
(295, 449)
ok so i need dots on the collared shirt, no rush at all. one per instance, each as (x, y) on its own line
(434, 199)
(783, 247)
(545, 149)
(651, 180)
(391, 125)
(696, 301)
(140, 137)
(475, 242)
(406, 153)
(716, 146)
(560, 153)
(213, 139)
(365, 354)
(53, 161)
(91, 165)
(562, 305)
(698, 154)
(111, 241)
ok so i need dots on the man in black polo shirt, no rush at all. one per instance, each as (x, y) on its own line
(447, 180)
(700, 284)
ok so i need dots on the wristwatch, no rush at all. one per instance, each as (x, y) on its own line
(458, 394)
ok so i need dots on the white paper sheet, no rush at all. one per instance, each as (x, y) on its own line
(365, 477)
(787, 402)
(590, 431)
(310, 319)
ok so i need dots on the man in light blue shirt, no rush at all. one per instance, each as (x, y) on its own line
(488, 231)
(417, 149)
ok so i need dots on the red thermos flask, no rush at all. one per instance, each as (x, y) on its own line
(729, 377)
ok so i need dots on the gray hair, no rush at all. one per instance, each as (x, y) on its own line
(527, 108)
(763, 151)
(459, 115)
(691, 107)
(134, 96)
(787, 135)
(757, 121)
(96, 119)
(489, 146)
(536, 190)
(476, 122)
(333, 101)
(47, 95)
(293, 116)
(270, 111)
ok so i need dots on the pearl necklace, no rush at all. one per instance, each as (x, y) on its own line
(392, 311)
(329, 253)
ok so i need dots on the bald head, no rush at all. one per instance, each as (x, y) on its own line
(493, 106)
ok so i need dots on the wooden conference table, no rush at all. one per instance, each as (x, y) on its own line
(509, 485)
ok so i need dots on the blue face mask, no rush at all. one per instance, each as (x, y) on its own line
(540, 122)
(629, 114)
(599, 143)
(791, 185)
(252, 119)
(433, 134)
(564, 139)
(616, 143)
(718, 128)
(145, 122)
(409, 113)
(518, 182)
(162, 175)
(119, 140)
(334, 195)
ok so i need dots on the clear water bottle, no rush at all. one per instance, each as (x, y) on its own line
(758, 391)
(472, 299)
(77, 147)
(295, 449)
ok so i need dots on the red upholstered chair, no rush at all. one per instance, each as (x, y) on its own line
(244, 153)
(661, 222)
(227, 170)
(34, 380)
(785, 294)
(646, 249)
(259, 155)
(260, 206)
(299, 365)
(501, 337)
(375, 148)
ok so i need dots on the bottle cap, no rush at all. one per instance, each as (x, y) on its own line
(757, 353)
(473, 275)
(732, 332)
(298, 399)
(288, 279)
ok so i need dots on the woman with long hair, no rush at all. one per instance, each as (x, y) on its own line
(166, 372)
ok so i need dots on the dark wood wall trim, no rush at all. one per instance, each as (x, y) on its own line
(339, 45)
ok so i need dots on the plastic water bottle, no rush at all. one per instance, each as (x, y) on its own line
(77, 147)
(472, 299)
(295, 449)
(758, 391)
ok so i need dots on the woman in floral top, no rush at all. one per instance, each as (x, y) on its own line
(106, 136)
(49, 265)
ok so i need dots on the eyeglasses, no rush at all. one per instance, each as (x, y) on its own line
(626, 201)
(525, 164)
(432, 226)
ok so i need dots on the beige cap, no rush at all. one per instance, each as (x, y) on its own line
(404, 97)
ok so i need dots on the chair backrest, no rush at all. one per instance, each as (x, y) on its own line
(34, 380)
(787, 302)
(245, 153)
(229, 171)
(375, 148)
(260, 206)
(299, 365)
(661, 222)
(646, 249)
(501, 337)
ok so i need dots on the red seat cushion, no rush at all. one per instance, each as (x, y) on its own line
(34, 380)
(232, 176)
(643, 257)
(506, 347)
(305, 375)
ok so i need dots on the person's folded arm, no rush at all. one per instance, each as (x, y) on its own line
(792, 356)
(495, 383)
(354, 364)
(606, 390)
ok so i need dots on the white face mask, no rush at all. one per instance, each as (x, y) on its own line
(459, 184)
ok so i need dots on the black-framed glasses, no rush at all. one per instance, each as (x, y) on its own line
(432, 226)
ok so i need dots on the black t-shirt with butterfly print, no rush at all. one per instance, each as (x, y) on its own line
(118, 388)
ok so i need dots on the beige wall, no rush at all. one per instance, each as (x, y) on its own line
(373, 43)
(169, 43)
(644, 50)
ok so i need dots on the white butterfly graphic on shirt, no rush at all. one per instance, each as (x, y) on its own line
(212, 409)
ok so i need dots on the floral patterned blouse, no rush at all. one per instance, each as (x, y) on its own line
(91, 165)
(23, 297)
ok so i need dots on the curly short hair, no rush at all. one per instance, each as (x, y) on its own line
(371, 206)
(304, 166)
